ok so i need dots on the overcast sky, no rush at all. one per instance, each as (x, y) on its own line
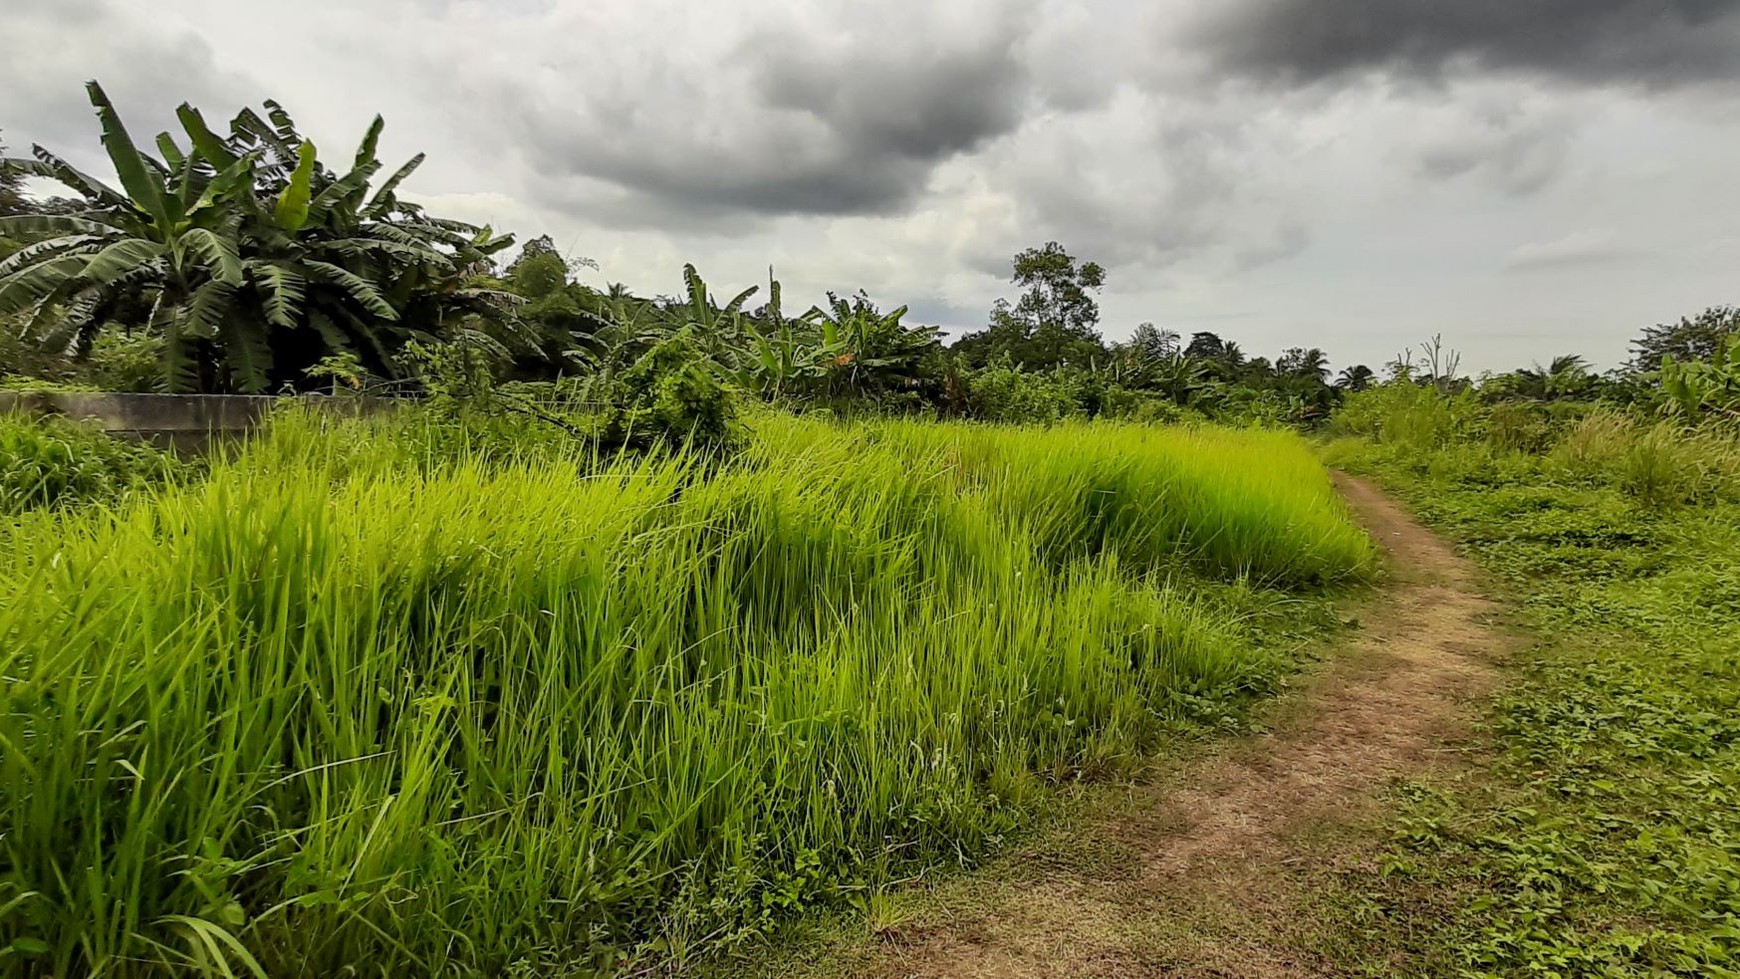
(1529, 177)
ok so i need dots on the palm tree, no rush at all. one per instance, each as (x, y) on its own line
(1567, 375)
(1302, 362)
(1177, 377)
(1154, 343)
(1356, 378)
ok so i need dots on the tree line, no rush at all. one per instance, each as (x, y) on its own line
(246, 261)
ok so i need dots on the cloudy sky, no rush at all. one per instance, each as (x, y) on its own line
(1527, 177)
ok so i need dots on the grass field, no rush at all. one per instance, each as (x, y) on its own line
(1601, 836)
(349, 701)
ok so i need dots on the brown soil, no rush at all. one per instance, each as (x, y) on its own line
(1211, 872)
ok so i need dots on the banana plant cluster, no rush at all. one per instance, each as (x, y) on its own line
(247, 254)
(1697, 386)
(847, 347)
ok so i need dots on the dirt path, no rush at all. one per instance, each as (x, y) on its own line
(1211, 873)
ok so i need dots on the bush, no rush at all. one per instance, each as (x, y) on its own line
(1144, 406)
(1519, 426)
(1659, 469)
(1411, 415)
(1006, 393)
(670, 394)
(1593, 448)
(57, 464)
(126, 362)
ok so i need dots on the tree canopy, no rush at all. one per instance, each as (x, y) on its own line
(245, 254)
(1055, 319)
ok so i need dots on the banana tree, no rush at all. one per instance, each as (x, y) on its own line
(338, 270)
(876, 353)
(252, 259)
(787, 356)
(1697, 386)
(169, 234)
(718, 331)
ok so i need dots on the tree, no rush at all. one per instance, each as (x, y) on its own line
(172, 234)
(1153, 343)
(1698, 338)
(251, 259)
(877, 354)
(1052, 323)
(1566, 376)
(1057, 290)
(1209, 346)
(1302, 362)
(540, 271)
(11, 187)
(1356, 378)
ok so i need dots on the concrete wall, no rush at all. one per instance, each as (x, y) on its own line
(184, 421)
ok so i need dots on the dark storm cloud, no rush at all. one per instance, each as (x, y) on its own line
(922, 108)
(1655, 43)
(813, 131)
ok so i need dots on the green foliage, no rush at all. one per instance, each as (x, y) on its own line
(1567, 378)
(1425, 431)
(344, 371)
(127, 363)
(1697, 386)
(1603, 843)
(55, 464)
(540, 271)
(1700, 337)
(1519, 427)
(344, 702)
(1408, 416)
(1003, 392)
(244, 255)
(668, 395)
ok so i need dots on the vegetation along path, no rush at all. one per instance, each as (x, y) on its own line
(1210, 871)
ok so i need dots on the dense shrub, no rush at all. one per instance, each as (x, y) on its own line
(57, 464)
(669, 394)
(1519, 427)
(1404, 414)
(1006, 393)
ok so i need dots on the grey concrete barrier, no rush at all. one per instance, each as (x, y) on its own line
(183, 421)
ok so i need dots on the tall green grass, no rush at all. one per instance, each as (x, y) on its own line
(1661, 461)
(57, 463)
(347, 704)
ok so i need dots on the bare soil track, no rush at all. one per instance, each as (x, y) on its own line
(1210, 872)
